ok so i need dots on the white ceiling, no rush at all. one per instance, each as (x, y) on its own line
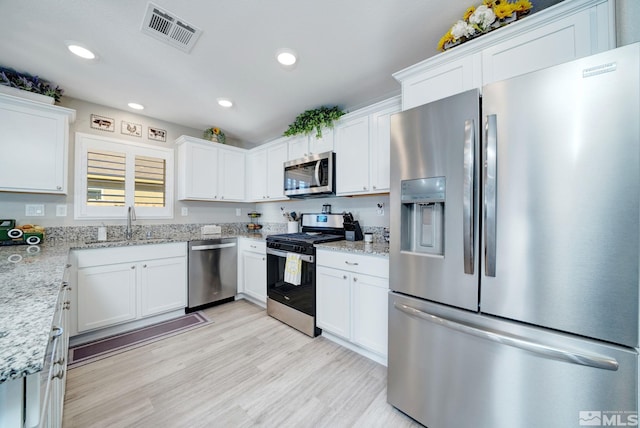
(347, 51)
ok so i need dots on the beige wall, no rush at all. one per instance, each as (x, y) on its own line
(12, 205)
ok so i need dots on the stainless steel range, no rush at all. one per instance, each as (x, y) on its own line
(291, 270)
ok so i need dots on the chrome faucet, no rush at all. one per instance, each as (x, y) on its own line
(131, 216)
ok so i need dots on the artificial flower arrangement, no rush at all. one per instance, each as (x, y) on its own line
(26, 82)
(491, 14)
(215, 134)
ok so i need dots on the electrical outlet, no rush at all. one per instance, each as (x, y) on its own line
(34, 210)
(238, 212)
(380, 210)
(185, 211)
(61, 210)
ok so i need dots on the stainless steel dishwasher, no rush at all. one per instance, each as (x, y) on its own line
(213, 272)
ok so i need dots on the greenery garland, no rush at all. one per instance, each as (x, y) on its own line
(315, 119)
(27, 82)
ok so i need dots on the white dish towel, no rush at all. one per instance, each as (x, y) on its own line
(293, 269)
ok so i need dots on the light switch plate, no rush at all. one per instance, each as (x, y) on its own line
(34, 210)
(61, 210)
(185, 211)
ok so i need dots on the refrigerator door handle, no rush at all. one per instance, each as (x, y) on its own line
(545, 351)
(467, 192)
(490, 195)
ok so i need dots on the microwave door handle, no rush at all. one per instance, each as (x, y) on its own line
(317, 174)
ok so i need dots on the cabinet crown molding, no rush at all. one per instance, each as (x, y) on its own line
(530, 23)
(10, 100)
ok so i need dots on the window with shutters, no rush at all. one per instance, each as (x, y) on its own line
(112, 175)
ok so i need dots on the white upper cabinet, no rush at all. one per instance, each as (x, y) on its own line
(566, 31)
(352, 156)
(210, 171)
(306, 145)
(266, 171)
(440, 81)
(362, 141)
(34, 138)
(231, 177)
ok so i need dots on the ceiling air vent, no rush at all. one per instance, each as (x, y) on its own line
(166, 27)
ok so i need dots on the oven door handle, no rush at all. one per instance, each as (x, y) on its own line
(303, 257)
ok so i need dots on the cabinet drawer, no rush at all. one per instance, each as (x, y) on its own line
(358, 263)
(106, 256)
(253, 245)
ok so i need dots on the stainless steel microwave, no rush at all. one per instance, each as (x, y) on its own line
(311, 176)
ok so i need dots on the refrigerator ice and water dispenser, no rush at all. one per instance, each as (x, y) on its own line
(422, 225)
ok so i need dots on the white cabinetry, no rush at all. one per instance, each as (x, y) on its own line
(267, 172)
(566, 31)
(210, 171)
(44, 391)
(34, 139)
(362, 141)
(351, 300)
(252, 269)
(118, 285)
(305, 145)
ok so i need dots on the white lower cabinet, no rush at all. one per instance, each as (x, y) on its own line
(333, 301)
(352, 304)
(118, 285)
(158, 290)
(252, 269)
(106, 295)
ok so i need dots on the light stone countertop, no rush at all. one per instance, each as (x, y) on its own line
(30, 280)
(360, 247)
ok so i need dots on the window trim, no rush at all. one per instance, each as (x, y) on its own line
(82, 211)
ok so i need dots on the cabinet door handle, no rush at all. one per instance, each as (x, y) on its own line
(133, 267)
(58, 375)
(144, 266)
(58, 187)
(264, 258)
(59, 361)
(253, 246)
(57, 332)
(351, 263)
(355, 279)
(344, 276)
(364, 187)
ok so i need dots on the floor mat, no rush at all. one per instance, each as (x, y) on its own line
(99, 349)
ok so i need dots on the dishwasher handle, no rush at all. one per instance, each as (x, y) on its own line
(212, 246)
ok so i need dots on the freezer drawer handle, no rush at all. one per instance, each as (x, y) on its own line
(490, 195)
(467, 191)
(212, 247)
(590, 360)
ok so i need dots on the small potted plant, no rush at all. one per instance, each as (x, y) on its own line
(26, 82)
(214, 134)
(312, 120)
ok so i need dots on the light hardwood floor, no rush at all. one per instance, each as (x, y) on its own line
(245, 369)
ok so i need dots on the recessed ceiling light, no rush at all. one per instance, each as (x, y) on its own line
(286, 57)
(224, 102)
(80, 51)
(136, 106)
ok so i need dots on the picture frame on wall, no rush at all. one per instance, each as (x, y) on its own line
(157, 134)
(129, 128)
(103, 123)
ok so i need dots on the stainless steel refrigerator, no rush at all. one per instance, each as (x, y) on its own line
(515, 248)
